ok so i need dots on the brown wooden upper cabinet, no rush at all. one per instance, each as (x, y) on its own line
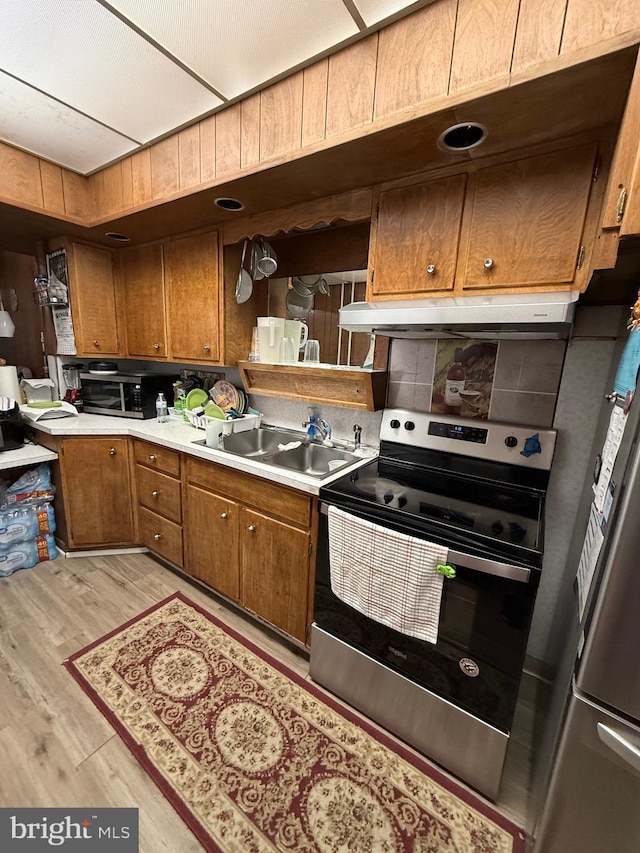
(415, 236)
(94, 303)
(143, 301)
(506, 227)
(192, 292)
(526, 222)
(171, 299)
(621, 209)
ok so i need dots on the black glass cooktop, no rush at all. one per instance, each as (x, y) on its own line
(489, 517)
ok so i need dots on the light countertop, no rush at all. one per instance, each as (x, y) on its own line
(29, 454)
(179, 435)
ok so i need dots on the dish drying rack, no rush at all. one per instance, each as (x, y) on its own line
(241, 424)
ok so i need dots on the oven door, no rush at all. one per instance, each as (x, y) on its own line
(477, 661)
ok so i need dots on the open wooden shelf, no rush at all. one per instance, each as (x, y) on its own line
(350, 387)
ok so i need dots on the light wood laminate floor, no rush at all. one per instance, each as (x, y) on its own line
(56, 748)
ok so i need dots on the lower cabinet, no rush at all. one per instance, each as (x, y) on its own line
(250, 540)
(96, 486)
(159, 491)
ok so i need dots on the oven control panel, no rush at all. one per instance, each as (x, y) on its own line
(459, 432)
(529, 446)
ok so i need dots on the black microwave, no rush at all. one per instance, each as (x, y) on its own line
(129, 395)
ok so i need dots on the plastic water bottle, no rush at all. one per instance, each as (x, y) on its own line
(161, 409)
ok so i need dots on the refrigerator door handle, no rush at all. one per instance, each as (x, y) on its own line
(620, 745)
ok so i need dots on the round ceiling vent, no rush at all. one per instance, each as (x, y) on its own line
(229, 204)
(462, 137)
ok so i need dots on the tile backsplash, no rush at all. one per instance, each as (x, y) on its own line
(525, 382)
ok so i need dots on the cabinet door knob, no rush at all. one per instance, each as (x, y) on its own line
(157, 536)
(431, 269)
(154, 494)
(156, 346)
(251, 528)
(223, 515)
(152, 458)
(96, 343)
(488, 263)
(112, 452)
(206, 348)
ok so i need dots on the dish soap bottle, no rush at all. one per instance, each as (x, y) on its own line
(161, 409)
(454, 384)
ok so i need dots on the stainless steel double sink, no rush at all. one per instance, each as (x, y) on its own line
(270, 446)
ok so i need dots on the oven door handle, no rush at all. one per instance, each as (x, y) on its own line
(476, 564)
(490, 567)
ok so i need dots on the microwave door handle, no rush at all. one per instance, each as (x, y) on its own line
(122, 400)
(478, 564)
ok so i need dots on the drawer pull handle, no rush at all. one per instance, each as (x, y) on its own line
(156, 346)
(251, 528)
(223, 515)
(488, 264)
(206, 348)
(152, 458)
(96, 343)
(112, 452)
(157, 536)
(154, 494)
(431, 269)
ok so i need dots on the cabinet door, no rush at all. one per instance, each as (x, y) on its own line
(526, 221)
(415, 245)
(143, 297)
(275, 571)
(93, 301)
(622, 203)
(211, 540)
(97, 491)
(192, 295)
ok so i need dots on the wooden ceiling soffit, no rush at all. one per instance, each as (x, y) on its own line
(563, 104)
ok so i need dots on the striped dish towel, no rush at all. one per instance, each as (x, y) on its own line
(387, 576)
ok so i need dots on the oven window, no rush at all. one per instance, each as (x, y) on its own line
(103, 395)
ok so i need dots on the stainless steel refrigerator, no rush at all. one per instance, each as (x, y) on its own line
(592, 801)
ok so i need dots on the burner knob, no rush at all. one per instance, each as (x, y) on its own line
(394, 424)
(409, 425)
(511, 441)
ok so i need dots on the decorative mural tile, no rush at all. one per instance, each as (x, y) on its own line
(463, 378)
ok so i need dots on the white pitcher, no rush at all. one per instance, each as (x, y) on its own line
(298, 331)
(270, 333)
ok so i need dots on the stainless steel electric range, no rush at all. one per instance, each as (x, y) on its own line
(478, 488)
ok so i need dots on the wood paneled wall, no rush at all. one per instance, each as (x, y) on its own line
(16, 279)
(447, 49)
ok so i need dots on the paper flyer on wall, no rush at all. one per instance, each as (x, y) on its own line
(593, 540)
(63, 325)
(617, 423)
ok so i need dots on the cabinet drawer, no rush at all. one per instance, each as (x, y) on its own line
(277, 500)
(159, 493)
(158, 457)
(168, 543)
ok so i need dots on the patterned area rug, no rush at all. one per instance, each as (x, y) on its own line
(256, 759)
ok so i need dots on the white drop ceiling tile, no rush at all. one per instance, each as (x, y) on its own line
(35, 123)
(236, 45)
(88, 58)
(373, 11)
